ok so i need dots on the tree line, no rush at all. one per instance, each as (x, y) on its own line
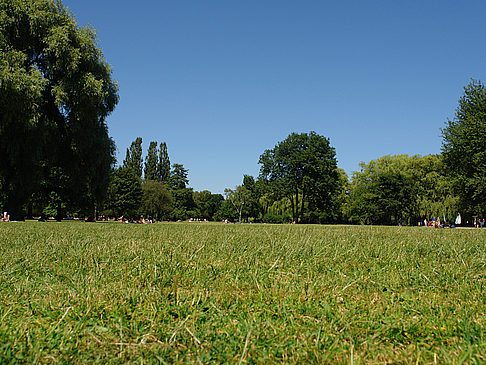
(57, 158)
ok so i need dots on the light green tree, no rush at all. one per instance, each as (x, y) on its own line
(240, 197)
(157, 201)
(404, 187)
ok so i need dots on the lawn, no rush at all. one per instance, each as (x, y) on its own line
(75, 292)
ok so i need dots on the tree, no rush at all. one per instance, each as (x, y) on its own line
(240, 197)
(156, 199)
(226, 211)
(56, 92)
(253, 206)
(178, 177)
(464, 149)
(397, 187)
(152, 163)
(184, 205)
(133, 158)
(303, 168)
(207, 204)
(125, 192)
(164, 164)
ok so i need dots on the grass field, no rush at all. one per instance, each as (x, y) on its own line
(201, 293)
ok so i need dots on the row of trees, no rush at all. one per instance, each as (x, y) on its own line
(161, 192)
(299, 180)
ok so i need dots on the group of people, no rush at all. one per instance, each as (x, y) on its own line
(436, 223)
(197, 220)
(140, 220)
(5, 217)
(479, 222)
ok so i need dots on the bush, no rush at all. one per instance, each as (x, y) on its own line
(277, 218)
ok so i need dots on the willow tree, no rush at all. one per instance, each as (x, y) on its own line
(56, 91)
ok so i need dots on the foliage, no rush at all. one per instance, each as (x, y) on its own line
(276, 218)
(164, 163)
(184, 205)
(151, 170)
(226, 211)
(55, 94)
(207, 204)
(133, 159)
(303, 168)
(464, 149)
(400, 188)
(157, 202)
(252, 208)
(239, 197)
(125, 193)
(178, 177)
(214, 293)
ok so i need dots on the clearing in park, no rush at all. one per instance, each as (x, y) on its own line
(201, 293)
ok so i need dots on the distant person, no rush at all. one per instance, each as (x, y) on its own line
(458, 219)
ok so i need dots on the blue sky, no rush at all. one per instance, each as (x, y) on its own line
(221, 81)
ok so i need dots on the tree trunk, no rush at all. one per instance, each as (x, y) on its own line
(59, 211)
(29, 210)
(302, 207)
(240, 212)
(296, 218)
(292, 205)
(14, 209)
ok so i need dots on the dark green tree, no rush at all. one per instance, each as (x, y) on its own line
(464, 149)
(56, 91)
(207, 204)
(152, 171)
(226, 211)
(178, 177)
(184, 205)
(303, 168)
(133, 158)
(157, 201)
(164, 163)
(125, 193)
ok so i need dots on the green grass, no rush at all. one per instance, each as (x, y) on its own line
(201, 293)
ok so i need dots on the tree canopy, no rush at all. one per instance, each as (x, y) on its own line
(400, 188)
(56, 91)
(133, 158)
(464, 148)
(157, 201)
(302, 168)
(151, 171)
(125, 193)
